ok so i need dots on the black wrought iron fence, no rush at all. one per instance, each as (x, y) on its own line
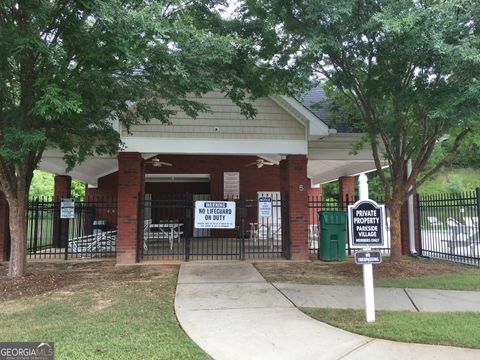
(449, 227)
(167, 231)
(90, 233)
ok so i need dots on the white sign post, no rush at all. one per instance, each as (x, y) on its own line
(367, 229)
(214, 214)
(367, 268)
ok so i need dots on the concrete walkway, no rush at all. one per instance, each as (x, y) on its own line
(351, 297)
(231, 312)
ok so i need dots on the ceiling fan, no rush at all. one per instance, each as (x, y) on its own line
(157, 163)
(260, 162)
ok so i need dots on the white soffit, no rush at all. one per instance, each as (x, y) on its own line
(89, 171)
(323, 171)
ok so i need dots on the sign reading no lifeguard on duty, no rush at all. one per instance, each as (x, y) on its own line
(366, 221)
(214, 214)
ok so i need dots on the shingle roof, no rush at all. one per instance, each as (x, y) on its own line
(315, 96)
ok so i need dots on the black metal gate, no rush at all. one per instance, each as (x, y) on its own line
(167, 232)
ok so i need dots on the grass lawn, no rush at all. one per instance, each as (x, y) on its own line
(453, 329)
(96, 311)
(409, 273)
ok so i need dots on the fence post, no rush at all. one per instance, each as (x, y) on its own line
(286, 227)
(189, 205)
(419, 225)
(477, 190)
(243, 214)
(35, 226)
(140, 228)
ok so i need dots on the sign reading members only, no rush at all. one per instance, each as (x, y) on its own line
(366, 221)
(214, 215)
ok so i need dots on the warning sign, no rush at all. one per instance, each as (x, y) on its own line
(214, 214)
(366, 224)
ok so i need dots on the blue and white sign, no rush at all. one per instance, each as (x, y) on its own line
(265, 207)
(214, 215)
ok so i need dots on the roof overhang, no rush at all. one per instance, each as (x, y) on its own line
(316, 128)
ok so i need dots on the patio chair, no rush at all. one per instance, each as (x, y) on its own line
(471, 221)
(434, 222)
(146, 233)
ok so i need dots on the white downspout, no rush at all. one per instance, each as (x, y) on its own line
(411, 216)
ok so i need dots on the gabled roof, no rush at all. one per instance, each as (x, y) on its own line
(316, 96)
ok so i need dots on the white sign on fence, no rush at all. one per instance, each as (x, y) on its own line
(214, 215)
(265, 207)
(67, 209)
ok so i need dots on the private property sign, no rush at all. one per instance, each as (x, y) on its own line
(214, 214)
(366, 221)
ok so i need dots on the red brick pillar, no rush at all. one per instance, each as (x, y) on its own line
(4, 228)
(131, 183)
(346, 186)
(293, 175)
(61, 189)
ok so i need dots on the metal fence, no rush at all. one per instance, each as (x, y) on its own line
(90, 233)
(449, 227)
(167, 232)
(316, 204)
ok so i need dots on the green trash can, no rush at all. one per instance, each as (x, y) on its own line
(333, 235)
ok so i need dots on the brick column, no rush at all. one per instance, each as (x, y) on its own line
(346, 186)
(61, 189)
(293, 175)
(4, 228)
(130, 185)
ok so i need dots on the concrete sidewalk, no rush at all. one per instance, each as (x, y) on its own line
(351, 297)
(231, 312)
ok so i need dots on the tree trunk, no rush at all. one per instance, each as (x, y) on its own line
(18, 207)
(395, 232)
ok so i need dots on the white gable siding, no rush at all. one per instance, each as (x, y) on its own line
(271, 122)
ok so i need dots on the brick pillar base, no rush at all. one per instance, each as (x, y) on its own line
(61, 189)
(346, 186)
(293, 175)
(130, 185)
(4, 228)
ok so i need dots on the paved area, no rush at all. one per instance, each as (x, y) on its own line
(231, 312)
(351, 297)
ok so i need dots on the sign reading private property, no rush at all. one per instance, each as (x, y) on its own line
(265, 207)
(368, 257)
(366, 224)
(67, 209)
(214, 215)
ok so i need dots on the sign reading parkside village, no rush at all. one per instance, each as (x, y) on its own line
(366, 221)
(214, 214)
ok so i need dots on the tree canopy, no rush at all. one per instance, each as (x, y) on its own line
(404, 72)
(69, 69)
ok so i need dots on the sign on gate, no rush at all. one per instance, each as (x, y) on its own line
(265, 207)
(67, 209)
(214, 215)
(366, 221)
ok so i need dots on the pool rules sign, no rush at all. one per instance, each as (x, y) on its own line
(366, 221)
